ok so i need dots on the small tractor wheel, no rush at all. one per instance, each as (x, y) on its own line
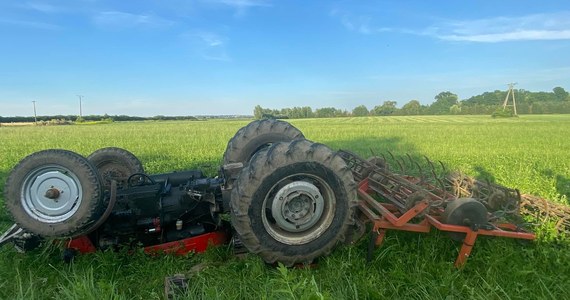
(54, 193)
(294, 202)
(115, 164)
(258, 135)
(466, 212)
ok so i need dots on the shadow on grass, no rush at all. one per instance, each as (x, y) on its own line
(3, 214)
(562, 182)
(365, 147)
(563, 185)
(484, 175)
(402, 157)
(153, 162)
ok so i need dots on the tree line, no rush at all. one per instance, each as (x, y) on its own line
(445, 103)
(89, 118)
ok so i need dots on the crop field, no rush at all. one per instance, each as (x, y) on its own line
(529, 153)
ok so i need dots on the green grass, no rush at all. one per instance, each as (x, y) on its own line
(529, 153)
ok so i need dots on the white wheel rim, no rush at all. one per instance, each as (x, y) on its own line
(51, 194)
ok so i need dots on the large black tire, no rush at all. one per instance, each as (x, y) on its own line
(54, 193)
(294, 202)
(256, 136)
(464, 212)
(115, 164)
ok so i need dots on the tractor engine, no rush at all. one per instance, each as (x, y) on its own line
(154, 209)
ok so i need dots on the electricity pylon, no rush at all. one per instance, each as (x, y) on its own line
(511, 92)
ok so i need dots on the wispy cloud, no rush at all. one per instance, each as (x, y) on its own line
(554, 26)
(208, 45)
(551, 26)
(31, 24)
(122, 20)
(519, 35)
(240, 6)
(42, 7)
(359, 23)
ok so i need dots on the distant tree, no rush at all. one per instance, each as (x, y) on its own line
(288, 112)
(266, 113)
(387, 108)
(258, 112)
(443, 102)
(455, 109)
(307, 112)
(326, 112)
(411, 108)
(360, 111)
(560, 94)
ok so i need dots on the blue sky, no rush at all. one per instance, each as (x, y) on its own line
(197, 57)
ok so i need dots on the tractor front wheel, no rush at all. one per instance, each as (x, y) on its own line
(115, 164)
(54, 193)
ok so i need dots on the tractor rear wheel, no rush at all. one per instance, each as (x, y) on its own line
(293, 202)
(54, 193)
(115, 164)
(256, 136)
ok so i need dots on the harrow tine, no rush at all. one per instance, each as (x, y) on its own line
(393, 158)
(385, 161)
(431, 166)
(402, 166)
(411, 160)
(422, 175)
(434, 173)
(428, 161)
(443, 168)
(391, 155)
(443, 174)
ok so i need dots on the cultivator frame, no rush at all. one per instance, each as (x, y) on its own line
(414, 204)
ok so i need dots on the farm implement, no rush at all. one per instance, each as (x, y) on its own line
(287, 199)
(462, 206)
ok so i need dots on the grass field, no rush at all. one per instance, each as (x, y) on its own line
(530, 153)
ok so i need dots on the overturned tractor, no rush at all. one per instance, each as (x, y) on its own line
(290, 200)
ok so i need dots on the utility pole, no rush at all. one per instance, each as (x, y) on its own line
(511, 92)
(80, 113)
(35, 116)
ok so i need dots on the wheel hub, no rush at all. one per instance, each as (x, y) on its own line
(51, 194)
(297, 206)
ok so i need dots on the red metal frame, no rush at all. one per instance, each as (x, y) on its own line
(82, 244)
(385, 216)
(196, 244)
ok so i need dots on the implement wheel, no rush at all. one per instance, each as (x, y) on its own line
(115, 164)
(256, 136)
(54, 193)
(466, 212)
(293, 203)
